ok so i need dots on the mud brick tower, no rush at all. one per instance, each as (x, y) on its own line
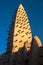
(22, 48)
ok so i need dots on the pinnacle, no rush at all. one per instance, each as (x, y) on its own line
(22, 30)
(21, 6)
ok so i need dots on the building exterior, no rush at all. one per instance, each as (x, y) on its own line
(40, 53)
(22, 49)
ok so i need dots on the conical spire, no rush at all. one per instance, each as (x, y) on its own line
(22, 31)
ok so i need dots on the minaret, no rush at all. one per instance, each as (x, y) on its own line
(22, 32)
(22, 48)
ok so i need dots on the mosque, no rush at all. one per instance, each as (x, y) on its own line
(22, 48)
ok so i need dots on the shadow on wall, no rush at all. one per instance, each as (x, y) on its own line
(36, 44)
(21, 57)
(10, 36)
(18, 58)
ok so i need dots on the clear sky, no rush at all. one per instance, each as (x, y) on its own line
(34, 9)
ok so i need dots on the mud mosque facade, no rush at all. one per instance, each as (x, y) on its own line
(22, 48)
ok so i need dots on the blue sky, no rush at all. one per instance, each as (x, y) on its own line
(34, 9)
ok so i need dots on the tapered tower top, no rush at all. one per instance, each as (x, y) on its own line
(22, 32)
(21, 6)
